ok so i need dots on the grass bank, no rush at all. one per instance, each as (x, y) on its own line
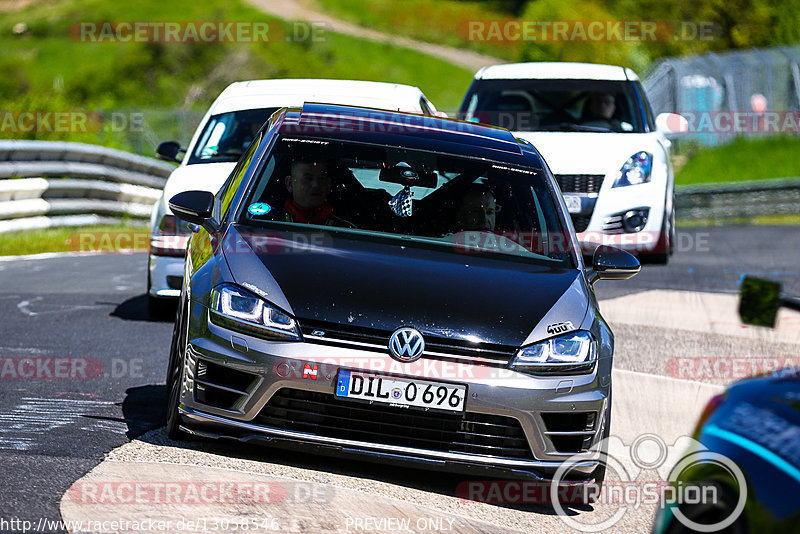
(773, 157)
(48, 65)
(105, 238)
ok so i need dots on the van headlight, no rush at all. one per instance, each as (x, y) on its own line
(571, 353)
(636, 170)
(237, 309)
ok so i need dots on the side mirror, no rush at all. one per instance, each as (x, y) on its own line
(611, 263)
(672, 124)
(759, 301)
(169, 150)
(194, 207)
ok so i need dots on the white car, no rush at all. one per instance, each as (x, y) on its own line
(219, 141)
(594, 127)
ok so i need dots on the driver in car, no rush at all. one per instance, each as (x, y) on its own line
(599, 111)
(308, 184)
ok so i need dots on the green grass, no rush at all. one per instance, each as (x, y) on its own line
(448, 22)
(787, 219)
(106, 238)
(774, 157)
(436, 21)
(45, 69)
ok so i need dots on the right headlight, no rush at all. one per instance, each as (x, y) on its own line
(571, 353)
(237, 309)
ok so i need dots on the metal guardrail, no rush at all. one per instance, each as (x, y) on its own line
(738, 200)
(47, 184)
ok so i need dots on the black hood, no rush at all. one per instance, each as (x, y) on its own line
(362, 283)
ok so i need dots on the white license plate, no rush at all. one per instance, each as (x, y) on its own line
(573, 203)
(401, 392)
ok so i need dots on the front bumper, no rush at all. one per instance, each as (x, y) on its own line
(280, 366)
(610, 203)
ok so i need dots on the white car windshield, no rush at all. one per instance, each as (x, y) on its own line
(557, 105)
(226, 136)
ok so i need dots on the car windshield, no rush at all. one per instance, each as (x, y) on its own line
(226, 136)
(556, 105)
(409, 197)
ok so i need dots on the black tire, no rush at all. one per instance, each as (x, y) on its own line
(175, 371)
(156, 308)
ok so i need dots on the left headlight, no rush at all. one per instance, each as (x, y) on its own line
(237, 309)
(636, 170)
(575, 352)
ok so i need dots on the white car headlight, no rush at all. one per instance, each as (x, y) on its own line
(235, 308)
(571, 353)
(636, 170)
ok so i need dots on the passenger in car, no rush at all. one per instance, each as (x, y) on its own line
(477, 209)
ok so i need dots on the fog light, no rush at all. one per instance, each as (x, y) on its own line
(634, 220)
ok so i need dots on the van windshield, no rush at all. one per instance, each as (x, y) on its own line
(226, 136)
(556, 105)
(409, 197)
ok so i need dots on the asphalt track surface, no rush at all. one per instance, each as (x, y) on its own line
(99, 378)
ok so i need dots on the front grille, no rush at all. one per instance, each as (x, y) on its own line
(570, 432)
(579, 183)
(221, 387)
(581, 222)
(324, 415)
(435, 348)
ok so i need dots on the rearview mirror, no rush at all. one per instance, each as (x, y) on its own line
(169, 150)
(404, 174)
(194, 207)
(611, 263)
(759, 301)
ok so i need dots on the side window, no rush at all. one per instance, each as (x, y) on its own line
(228, 190)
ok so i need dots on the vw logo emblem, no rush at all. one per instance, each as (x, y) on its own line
(406, 344)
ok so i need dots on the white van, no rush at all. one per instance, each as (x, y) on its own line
(221, 138)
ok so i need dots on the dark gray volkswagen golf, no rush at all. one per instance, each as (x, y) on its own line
(393, 287)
